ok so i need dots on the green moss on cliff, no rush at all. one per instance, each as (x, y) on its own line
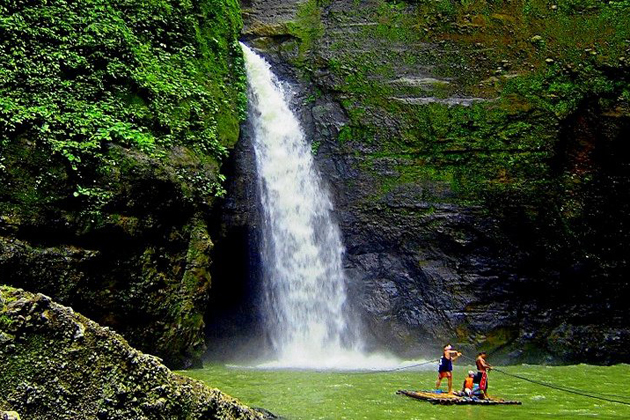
(115, 116)
(308, 27)
(523, 69)
(517, 111)
(145, 75)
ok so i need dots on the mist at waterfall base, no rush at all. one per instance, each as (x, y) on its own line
(304, 285)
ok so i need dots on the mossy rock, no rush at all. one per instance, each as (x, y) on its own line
(485, 140)
(57, 364)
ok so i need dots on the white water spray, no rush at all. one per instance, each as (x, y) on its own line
(304, 281)
(305, 286)
(302, 251)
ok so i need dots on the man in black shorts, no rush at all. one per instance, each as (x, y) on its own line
(445, 369)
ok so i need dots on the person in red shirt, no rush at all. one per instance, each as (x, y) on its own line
(467, 387)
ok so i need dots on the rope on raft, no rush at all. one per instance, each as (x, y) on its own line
(563, 389)
(398, 368)
(569, 390)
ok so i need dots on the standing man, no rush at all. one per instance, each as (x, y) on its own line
(445, 369)
(482, 373)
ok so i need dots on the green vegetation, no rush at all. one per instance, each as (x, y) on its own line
(539, 73)
(115, 116)
(78, 77)
(308, 27)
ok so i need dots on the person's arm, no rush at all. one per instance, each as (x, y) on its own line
(486, 364)
(455, 354)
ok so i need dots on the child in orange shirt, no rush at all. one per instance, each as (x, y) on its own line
(468, 383)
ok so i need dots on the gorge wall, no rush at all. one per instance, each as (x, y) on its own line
(477, 159)
(475, 150)
(114, 119)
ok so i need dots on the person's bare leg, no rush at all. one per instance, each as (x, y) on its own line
(438, 382)
(450, 384)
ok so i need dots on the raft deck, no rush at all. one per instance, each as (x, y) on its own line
(450, 399)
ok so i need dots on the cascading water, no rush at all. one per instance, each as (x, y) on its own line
(304, 282)
(302, 249)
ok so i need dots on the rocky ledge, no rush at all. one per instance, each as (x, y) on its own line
(57, 364)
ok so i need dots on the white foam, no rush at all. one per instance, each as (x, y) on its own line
(303, 279)
(344, 361)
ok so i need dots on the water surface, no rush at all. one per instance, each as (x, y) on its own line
(359, 395)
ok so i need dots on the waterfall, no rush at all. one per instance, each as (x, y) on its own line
(302, 250)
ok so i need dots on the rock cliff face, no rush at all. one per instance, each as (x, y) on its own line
(57, 364)
(473, 153)
(114, 119)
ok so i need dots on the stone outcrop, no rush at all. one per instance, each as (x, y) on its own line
(57, 364)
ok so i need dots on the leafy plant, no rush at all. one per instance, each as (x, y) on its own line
(79, 77)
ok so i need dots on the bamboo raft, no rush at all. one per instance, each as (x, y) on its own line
(450, 399)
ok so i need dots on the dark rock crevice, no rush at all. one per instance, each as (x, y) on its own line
(234, 319)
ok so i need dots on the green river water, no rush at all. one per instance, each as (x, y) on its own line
(310, 395)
